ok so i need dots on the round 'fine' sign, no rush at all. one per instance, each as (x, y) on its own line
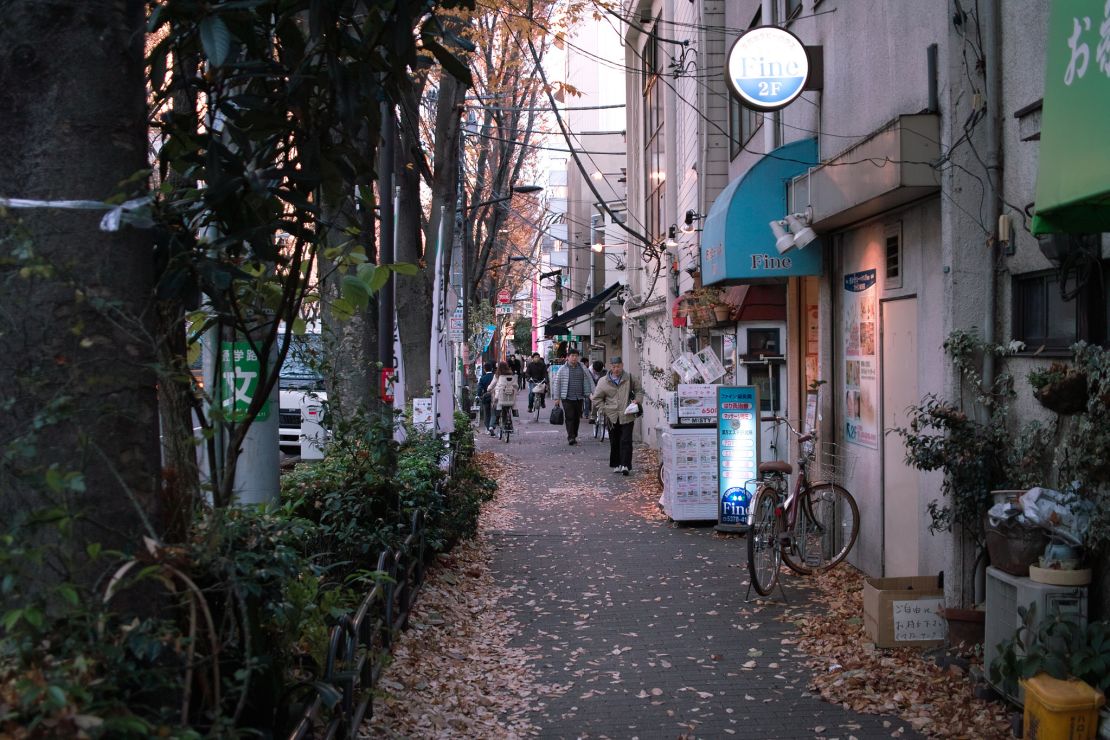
(767, 68)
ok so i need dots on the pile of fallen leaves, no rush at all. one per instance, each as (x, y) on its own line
(454, 673)
(851, 671)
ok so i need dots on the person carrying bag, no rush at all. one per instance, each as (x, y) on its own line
(620, 399)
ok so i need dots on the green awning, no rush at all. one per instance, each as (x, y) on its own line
(1073, 181)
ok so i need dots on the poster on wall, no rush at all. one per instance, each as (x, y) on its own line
(861, 310)
(683, 366)
(709, 365)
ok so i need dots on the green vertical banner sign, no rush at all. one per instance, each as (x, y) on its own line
(241, 371)
(1073, 181)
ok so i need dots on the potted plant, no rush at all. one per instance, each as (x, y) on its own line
(1060, 387)
(965, 627)
(722, 311)
(1059, 646)
(974, 444)
(702, 301)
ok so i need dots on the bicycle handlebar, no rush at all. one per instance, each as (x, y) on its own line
(802, 438)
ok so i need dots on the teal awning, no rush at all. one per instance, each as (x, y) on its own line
(737, 244)
(1073, 178)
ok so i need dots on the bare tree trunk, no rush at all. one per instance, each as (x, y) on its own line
(76, 350)
(414, 293)
(351, 343)
(444, 188)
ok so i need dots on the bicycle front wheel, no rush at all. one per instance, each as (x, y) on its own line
(764, 553)
(825, 530)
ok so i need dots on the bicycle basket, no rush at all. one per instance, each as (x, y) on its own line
(836, 463)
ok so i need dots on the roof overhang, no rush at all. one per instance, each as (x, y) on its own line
(894, 166)
(559, 324)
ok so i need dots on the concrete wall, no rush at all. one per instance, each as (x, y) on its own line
(862, 248)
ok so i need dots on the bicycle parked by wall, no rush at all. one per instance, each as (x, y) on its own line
(811, 528)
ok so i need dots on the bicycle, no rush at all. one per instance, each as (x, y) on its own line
(505, 423)
(601, 426)
(539, 391)
(811, 530)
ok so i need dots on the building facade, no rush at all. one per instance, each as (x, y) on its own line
(914, 138)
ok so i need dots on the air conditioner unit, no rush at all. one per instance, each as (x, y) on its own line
(1005, 593)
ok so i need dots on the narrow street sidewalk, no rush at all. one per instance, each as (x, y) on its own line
(642, 623)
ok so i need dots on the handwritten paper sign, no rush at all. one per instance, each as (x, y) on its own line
(918, 619)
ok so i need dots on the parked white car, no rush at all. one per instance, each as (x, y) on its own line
(302, 395)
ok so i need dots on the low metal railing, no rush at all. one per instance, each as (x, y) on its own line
(360, 643)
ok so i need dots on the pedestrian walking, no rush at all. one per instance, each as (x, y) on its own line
(615, 395)
(516, 368)
(503, 393)
(536, 372)
(572, 385)
(484, 396)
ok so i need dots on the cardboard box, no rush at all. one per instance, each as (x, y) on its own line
(904, 612)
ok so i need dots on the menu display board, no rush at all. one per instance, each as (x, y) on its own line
(737, 453)
(696, 404)
(689, 474)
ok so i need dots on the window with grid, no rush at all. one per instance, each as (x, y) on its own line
(1043, 316)
(743, 122)
(654, 147)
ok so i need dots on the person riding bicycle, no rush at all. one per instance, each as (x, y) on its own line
(536, 372)
(503, 392)
(484, 396)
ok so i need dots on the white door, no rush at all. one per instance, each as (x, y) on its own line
(901, 510)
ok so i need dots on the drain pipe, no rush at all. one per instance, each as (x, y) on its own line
(992, 63)
(770, 119)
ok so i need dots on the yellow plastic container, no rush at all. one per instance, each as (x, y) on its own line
(1060, 710)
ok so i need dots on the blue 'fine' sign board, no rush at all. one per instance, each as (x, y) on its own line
(737, 453)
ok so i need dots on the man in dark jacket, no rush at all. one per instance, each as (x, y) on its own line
(571, 386)
(483, 394)
(536, 372)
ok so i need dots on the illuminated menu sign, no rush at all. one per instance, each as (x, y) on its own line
(737, 453)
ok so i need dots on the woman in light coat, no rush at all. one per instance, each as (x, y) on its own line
(614, 392)
(503, 393)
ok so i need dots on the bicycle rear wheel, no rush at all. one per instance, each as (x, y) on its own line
(764, 552)
(825, 530)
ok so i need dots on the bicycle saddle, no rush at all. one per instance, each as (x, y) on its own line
(776, 466)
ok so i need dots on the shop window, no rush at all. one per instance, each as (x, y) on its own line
(765, 377)
(1049, 316)
(763, 342)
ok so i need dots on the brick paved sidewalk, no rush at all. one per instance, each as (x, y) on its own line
(640, 616)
